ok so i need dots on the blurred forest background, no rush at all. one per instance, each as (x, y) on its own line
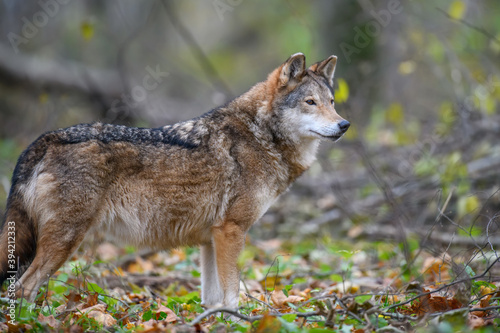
(419, 82)
(414, 182)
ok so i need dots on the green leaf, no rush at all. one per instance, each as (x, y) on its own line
(480, 283)
(447, 114)
(95, 288)
(435, 49)
(342, 91)
(395, 114)
(382, 322)
(470, 271)
(63, 277)
(162, 316)
(299, 280)
(87, 30)
(426, 166)
(108, 300)
(457, 10)
(242, 327)
(147, 315)
(336, 278)
(290, 317)
(59, 289)
(407, 67)
(287, 288)
(468, 205)
(362, 298)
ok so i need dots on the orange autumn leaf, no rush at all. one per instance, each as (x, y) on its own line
(268, 324)
(91, 300)
(436, 269)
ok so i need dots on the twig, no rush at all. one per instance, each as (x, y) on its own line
(202, 58)
(251, 319)
(269, 271)
(261, 302)
(488, 308)
(390, 199)
(483, 274)
(478, 29)
(339, 301)
(45, 297)
(389, 329)
(347, 310)
(397, 316)
(130, 314)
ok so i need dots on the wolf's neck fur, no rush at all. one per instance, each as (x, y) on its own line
(296, 153)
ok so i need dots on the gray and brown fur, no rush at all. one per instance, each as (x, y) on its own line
(200, 182)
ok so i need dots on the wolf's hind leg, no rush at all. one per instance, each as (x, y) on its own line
(211, 290)
(56, 243)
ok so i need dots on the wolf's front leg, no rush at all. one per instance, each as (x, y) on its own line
(211, 290)
(228, 243)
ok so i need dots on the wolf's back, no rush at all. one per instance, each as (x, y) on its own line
(19, 229)
(18, 234)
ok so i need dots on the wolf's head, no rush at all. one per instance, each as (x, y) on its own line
(303, 99)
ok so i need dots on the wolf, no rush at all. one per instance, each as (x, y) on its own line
(201, 182)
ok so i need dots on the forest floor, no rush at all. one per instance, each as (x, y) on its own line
(286, 286)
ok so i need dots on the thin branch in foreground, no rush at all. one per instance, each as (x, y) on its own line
(477, 277)
(262, 302)
(251, 319)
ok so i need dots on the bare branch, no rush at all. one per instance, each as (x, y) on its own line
(251, 319)
(478, 29)
(202, 58)
(61, 73)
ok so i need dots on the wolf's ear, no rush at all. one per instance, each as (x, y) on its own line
(293, 69)
(326, 68)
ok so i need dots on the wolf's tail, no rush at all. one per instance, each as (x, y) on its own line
(18, 234)
(18, 239)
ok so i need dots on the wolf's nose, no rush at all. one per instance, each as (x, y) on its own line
(344, 125)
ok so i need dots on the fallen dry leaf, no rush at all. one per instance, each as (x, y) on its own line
(75, 329)
(49, 320)
(294, 299)
(474, 321)
(278, 298)
(98, 313)
(268, 324)
(436, 269)
(90, 300)
(171, 316)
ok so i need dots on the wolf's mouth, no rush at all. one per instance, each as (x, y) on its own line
(329, 137)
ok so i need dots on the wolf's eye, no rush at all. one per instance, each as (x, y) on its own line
(311, 102)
